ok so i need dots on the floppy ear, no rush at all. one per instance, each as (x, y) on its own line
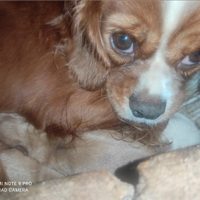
(89, 62)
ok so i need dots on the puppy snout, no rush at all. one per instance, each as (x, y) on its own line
(151, 108)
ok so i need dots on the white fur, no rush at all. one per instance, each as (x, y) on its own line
(173, 12)
(96, 149)
(181, 132)
(159, 79)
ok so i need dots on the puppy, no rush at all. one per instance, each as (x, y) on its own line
(71, 67)
(29, 155)
(77, 66)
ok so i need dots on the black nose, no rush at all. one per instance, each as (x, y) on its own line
(151, 108)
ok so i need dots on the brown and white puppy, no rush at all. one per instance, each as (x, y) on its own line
(76, 66)
(70, 67)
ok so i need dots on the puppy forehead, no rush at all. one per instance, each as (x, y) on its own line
(176, 13)
(168, 13)
(154, 24)
(125, 13)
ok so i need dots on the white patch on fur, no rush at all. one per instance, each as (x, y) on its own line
(181, 132)
(173, 12)
(158, 79)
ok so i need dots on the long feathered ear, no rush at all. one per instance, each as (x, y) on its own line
(89, 60)
(88, 17)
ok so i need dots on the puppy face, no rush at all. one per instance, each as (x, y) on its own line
(143, 51)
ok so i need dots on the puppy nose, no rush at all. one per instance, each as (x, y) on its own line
(150, 109)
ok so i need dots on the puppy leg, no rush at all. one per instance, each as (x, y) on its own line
(19, 167)
(17, 133)
(20, 146)
(94, 150)
(98, 149)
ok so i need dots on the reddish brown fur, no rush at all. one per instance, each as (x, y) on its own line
(31, 156)
(60, 68)
(36, 47)
(57, 66)
(54, 66)
(38, 85)
(188, 32)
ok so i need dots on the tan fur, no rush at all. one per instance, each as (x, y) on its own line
(31, 156)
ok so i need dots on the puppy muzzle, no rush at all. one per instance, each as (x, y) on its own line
(148, 108)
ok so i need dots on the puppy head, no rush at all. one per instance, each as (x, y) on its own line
(143, 51)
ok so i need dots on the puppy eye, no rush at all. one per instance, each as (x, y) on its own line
(122, 43)
(191, 60)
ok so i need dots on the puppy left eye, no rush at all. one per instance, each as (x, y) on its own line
(191, 60)
(123, 43)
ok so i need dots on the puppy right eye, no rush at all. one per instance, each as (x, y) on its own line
(122, 43)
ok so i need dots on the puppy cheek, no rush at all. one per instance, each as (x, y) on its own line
(86, 71)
